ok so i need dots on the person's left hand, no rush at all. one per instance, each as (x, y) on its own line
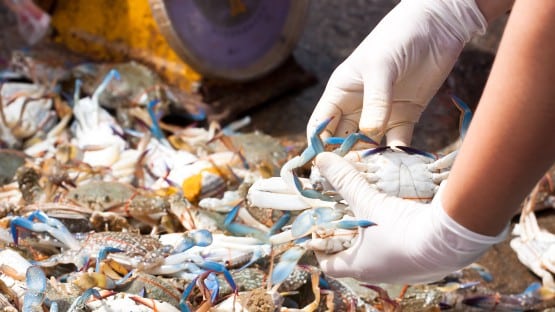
(412, 242)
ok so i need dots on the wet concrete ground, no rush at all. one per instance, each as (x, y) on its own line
(333, 30)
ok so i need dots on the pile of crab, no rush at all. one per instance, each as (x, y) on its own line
(105, 205)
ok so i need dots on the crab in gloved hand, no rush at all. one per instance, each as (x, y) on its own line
(400, 171)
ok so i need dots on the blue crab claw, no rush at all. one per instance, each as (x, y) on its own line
(350, 141)
(36, 287)
(62, 234)
(102, 254)
(309, 193)
(466, 115)
(306, 221)
(241, 229)
(211, 282)
(286, 264)
(201, 238)
(44, 218)
(315, 144)
(219, 268)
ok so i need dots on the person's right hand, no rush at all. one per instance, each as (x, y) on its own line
(386, 83)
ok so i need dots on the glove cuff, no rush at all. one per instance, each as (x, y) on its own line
(457, 237)
(462, 18)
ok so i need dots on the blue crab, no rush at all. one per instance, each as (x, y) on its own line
(140, 252)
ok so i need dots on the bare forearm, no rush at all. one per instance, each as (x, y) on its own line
(509, 144)
(492, 9)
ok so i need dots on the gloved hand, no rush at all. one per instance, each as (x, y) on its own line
(411, 243)
(386, 83)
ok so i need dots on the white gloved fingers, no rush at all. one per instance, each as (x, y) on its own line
(342, 100)
(350, 184)
(401, 123)
(376, 109)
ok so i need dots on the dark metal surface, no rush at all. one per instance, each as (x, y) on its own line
(236, 39)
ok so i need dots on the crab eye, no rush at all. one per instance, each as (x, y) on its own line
(106, 199)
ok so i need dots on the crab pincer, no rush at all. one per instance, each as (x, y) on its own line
(315, 146)
(201, 238)
(49, 225)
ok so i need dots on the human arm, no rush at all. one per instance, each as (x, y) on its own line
(504, 154)
(506, 151)
(385, 84)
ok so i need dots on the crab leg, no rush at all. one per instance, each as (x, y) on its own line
(348, 142)
(36, 287)
(466, 115)
(275, 193)
(287, 263)
(315, 147)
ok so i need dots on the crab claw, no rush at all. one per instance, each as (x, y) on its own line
(62, 234)
(219, 268)
(306, 221)
(36, 287)
(201, 238)
(102, 254)
(241, 229)
(315, 147)
(286, 264)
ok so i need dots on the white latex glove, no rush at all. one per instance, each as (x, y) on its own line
(411, 243)
(386, 83)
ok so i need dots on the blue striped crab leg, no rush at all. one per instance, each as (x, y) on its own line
(155, 128)
(316, 146)
(112, 74)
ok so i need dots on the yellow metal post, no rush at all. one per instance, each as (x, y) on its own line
(119, 30)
